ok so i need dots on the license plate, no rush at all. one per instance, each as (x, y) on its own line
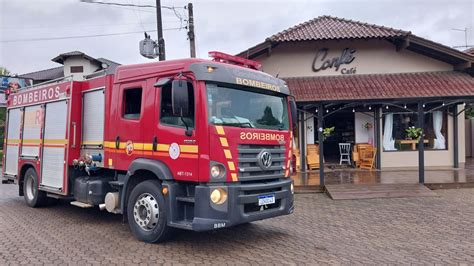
(266, 199)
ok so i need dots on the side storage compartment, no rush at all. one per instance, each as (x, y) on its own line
(12, 145)
(53, 166)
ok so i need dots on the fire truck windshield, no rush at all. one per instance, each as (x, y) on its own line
(241, 108)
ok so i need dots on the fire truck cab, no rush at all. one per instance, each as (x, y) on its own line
(191, 144)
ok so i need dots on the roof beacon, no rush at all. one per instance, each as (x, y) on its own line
(235, 60)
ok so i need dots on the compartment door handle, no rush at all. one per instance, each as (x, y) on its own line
(155, 143)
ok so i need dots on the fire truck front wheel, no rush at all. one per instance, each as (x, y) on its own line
(33, 197)
(146, 212)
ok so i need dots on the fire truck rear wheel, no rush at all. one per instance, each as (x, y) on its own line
(146, 212)
(33, 197)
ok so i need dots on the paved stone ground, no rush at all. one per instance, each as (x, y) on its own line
(398, 231)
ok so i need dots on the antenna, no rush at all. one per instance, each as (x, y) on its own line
(465, 39)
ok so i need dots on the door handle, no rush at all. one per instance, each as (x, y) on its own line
(155, 143)
(117, 142)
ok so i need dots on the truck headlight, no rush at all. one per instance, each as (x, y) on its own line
(218, 196)
(217, 171)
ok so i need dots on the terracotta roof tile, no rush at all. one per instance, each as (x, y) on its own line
(327, 27)
(381, 86)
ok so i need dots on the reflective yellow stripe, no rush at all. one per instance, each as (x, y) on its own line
(231, 165)
(228, 155)
(234, 177)
(32, 141)
(13, 141)
(224, 142)
(55, 141)
(147, 146)
(189, 148)
(162, 147)
(92, 143)
(220, 130)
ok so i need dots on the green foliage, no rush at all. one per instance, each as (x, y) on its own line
(414, 132)
(328, 131)
(470, 111)
(4, 71)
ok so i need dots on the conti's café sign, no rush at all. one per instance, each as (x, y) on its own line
(340, 63)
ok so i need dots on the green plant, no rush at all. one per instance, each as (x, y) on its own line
(328, 131)
(414, 132)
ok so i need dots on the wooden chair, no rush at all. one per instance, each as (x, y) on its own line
(296, 153)
(356, 152)
(312, 156)
(367, 158)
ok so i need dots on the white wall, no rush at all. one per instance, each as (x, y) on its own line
(310, 129)
(469, 126)
(371, 57)
(362, 135)
(88, 66)
(433, 158)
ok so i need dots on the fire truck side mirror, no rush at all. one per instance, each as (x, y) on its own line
(180, 98)
(294, 114)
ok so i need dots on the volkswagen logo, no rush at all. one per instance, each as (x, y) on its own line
(265, 159)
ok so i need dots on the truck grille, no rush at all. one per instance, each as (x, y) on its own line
(249, 167)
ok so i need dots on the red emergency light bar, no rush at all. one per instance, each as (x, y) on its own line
(235, 60)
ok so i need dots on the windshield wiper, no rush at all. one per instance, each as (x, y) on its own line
(239, 124)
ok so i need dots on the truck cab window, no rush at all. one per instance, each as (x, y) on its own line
(132, 103)
(167, 117)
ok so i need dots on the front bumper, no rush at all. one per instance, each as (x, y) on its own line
(241, 205)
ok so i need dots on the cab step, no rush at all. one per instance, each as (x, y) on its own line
(183, 224)
(185, 199)
(81, 204)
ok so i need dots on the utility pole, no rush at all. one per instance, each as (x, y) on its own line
(192, 45)
(159, 27)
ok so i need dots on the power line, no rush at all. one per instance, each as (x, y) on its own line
(83, 36)
(121, 4)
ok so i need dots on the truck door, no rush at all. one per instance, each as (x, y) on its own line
(177, 150)
(53, 163)
(128, 127)
(12, 141)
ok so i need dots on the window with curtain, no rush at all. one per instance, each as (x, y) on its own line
(395, 137)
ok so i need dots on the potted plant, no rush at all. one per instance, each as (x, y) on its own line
(367, 126)
(328, 131)
(414, 133)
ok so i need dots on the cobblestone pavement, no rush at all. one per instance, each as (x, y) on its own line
(400, 231)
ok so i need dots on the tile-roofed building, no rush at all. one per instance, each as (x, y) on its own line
(76, 64)
(371, 83)
(330, 28)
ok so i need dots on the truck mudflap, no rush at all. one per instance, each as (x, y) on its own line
(245, 203)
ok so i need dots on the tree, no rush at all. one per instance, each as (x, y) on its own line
(4, 71)
(470, 111)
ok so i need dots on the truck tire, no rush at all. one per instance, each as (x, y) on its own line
(33, 197)
(146, 212)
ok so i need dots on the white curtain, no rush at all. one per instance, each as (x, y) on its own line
(440, 141)
(388, 141)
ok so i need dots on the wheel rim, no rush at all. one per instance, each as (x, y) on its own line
(30, 188)
(146, 212)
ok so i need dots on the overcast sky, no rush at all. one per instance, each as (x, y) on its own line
(228, 26)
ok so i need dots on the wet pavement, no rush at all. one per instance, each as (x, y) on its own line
(360, 176)
(435, 230)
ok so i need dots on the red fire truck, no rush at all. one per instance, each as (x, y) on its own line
(192, 144)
